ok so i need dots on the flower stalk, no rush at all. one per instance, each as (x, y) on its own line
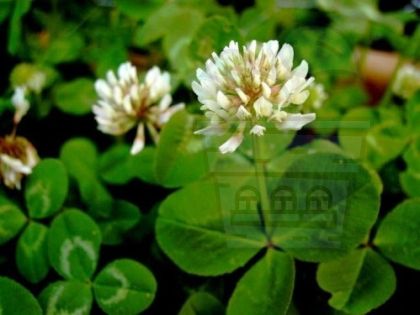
(261, 177)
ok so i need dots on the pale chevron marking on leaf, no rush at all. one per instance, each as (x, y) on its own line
(68, 246)
(122, 292)
(52, 305)
(52, 302)
(41, 191)
(35, 245)
(79, 311)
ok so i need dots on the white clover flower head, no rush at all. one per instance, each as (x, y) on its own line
(252, 86)
(17, 159)
(20, 103)
(124, 103)
(407, 81)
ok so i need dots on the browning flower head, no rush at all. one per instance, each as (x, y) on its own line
(254, 85)
(124, 102)
(17, 159)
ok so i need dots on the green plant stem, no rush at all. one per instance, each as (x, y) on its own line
(261, 176)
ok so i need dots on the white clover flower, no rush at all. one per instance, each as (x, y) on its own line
(252, 86)
(20, 103)
(407, 81)
(125, 103)
(17, 159)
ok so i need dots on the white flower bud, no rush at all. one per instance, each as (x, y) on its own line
(20, 103)
(407, 81)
